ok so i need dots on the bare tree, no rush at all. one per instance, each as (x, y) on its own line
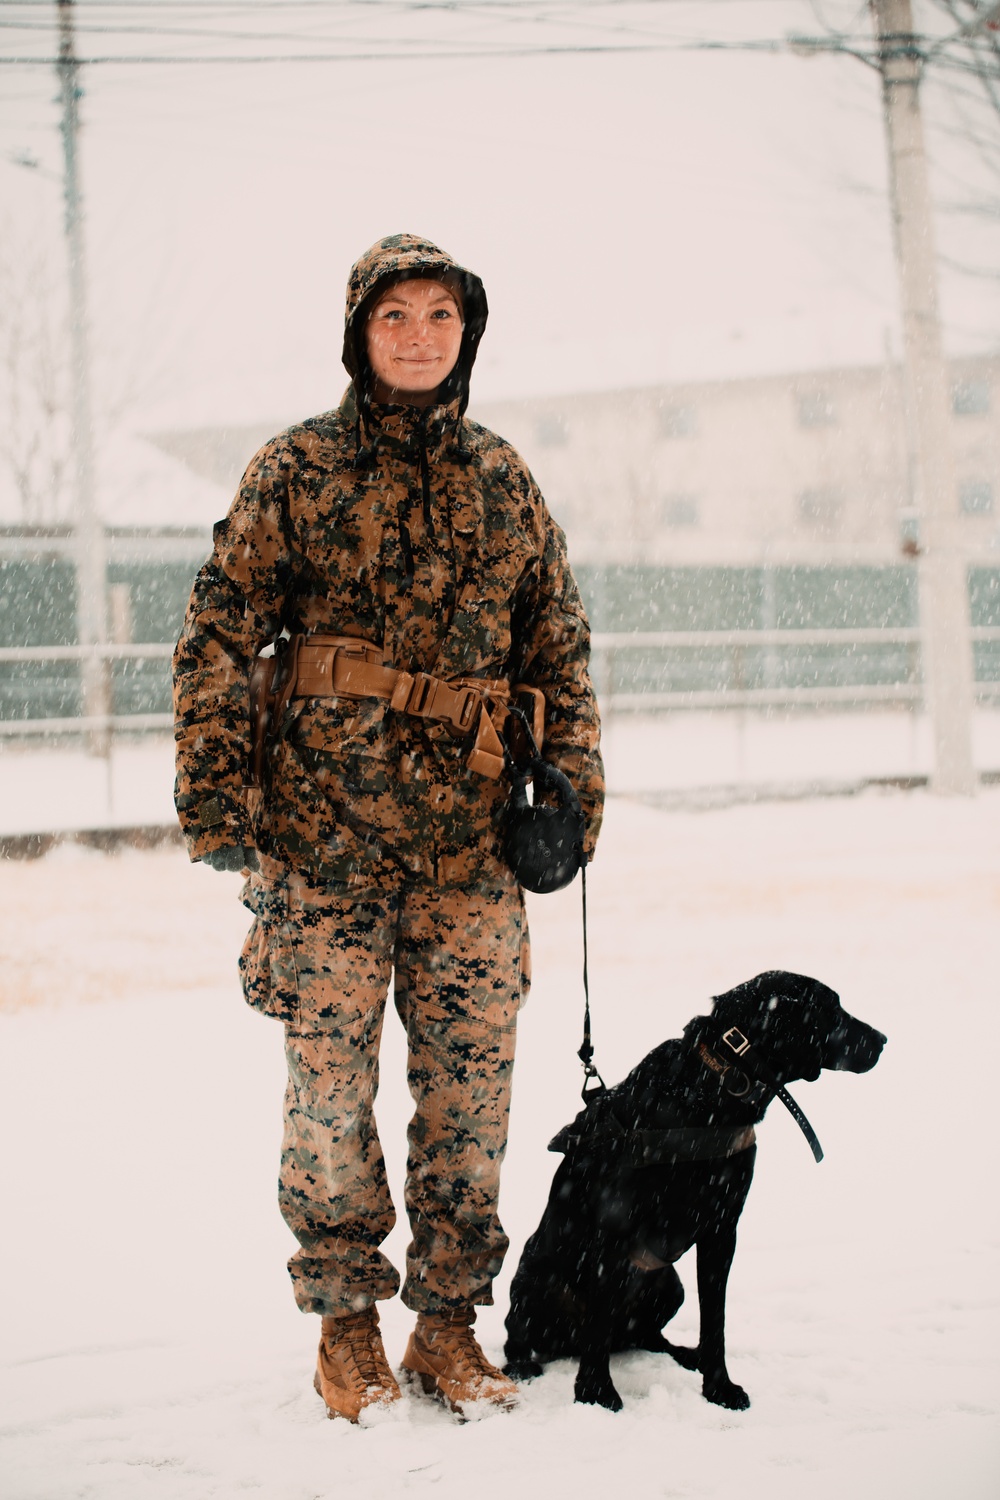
(974, 45)
(34, 380)
(35, 386)
(965, 63)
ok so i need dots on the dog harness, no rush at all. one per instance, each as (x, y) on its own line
(661, 1148)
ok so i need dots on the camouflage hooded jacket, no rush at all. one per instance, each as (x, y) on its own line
(421, 531)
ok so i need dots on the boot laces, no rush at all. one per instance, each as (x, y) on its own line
(467, 1349)
(360, 1333)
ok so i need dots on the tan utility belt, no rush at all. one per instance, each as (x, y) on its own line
(345, 666)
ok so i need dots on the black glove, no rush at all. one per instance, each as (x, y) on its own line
(232, 857)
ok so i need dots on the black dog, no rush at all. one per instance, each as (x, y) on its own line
(662, 1162)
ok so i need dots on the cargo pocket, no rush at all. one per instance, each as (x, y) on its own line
(483, 1014)
(467, 1050)
(267, 965)
(344, 942)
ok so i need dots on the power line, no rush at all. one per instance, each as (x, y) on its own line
(451, 7)
(461, 54)
(931, 48)
(557, 13)
(551, 12)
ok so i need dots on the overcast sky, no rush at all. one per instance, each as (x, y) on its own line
(637, 218)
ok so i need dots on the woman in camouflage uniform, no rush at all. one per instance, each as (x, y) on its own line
(410, 557)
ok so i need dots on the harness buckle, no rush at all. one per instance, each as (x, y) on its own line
(736, 1041)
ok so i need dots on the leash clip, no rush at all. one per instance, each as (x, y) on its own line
(593, 1083)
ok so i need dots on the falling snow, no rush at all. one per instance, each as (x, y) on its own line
(151, 1345)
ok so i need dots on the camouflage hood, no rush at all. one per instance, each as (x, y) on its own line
(402, 257)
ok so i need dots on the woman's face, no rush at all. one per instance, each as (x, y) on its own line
(414, 333)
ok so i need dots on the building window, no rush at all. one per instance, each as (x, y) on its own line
(970, 398)
(815, 409)
(552, 431)
(678, 421)
(975, 496)
(820, 508)
(680, 510)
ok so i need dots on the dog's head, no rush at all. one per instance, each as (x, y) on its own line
(798, 1025)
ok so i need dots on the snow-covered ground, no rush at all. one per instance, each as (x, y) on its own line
(150, 1346)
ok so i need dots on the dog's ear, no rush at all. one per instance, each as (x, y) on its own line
(792, 1032)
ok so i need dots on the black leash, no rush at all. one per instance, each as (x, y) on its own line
(586, 1052)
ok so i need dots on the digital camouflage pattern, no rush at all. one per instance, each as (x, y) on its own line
(321, 962)
(379, 848)
(423, 532)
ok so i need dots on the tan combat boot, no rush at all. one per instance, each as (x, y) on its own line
(352, 1371)
(444, 1355)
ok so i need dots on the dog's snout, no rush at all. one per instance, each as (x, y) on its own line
(855, 1048)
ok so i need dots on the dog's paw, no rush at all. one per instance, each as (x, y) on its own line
(522, 1369)
(597, 1390)
(726, 1393)
(688, 1359)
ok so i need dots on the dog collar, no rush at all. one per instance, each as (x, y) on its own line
(753, 1066)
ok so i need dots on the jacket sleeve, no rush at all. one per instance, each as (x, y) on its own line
(237, 605)
(552, 652)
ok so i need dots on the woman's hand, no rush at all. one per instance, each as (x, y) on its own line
(233, 857)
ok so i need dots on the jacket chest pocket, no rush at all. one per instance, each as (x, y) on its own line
(489, 581)
(344, 543)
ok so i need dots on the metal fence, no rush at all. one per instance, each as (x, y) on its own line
(637, 671)
(121, 661)
(650, 671)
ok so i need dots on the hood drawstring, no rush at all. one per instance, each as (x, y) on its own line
(406, 544)
(463, 455)
(364, 454)
(425, 476)
(366, 426)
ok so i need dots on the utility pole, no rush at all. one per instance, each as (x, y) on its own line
(942, 570)
(91, 577)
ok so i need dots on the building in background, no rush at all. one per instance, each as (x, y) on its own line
(757, 504)
(803, 470)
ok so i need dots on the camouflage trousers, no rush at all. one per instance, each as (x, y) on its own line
(322, 961)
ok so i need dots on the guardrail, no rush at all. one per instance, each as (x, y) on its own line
(138, 723)
(906, 688)
(608, 648)
(152, 650)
